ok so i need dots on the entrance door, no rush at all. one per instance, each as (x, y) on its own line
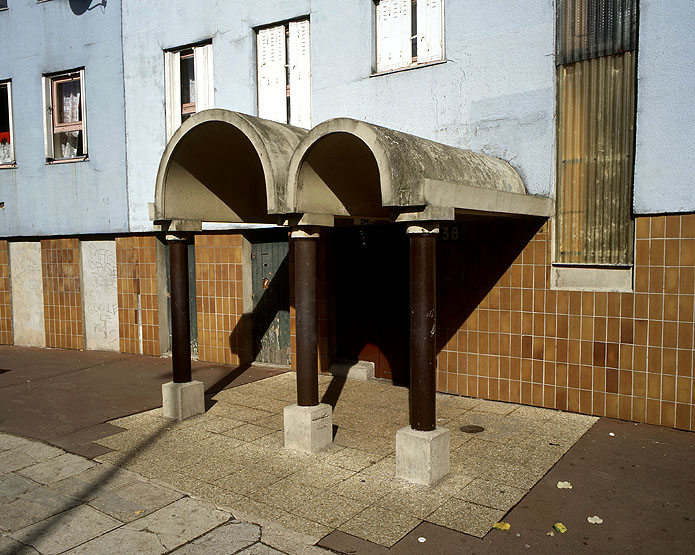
(271, 298)
(372, 316)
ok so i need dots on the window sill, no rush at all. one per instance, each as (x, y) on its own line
(67, 160)
(10, 166)
(408, 68)
(592, 278)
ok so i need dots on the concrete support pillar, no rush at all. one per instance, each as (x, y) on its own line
(422, 449)
(182, 397)
(308, 424)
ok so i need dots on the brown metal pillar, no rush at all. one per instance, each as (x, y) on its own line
(180, 318)
(423, 322)
(305, 294)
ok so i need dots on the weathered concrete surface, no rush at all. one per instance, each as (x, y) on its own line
(422, 457)
(100, 295)
(183, 400)
(26, 284)
(308, 429)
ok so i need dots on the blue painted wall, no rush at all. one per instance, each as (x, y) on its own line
(69, 198)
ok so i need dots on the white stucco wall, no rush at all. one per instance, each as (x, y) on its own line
(495, 94)
(664, 157)
(80, 197)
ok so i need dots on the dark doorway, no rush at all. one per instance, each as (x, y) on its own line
(271, 300)
(371, 292)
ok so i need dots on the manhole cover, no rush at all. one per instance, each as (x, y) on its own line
(472, 429)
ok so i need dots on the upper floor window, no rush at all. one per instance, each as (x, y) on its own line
(596, 79)
(6, 132)
(188, 83)
(408, 32)
(3, 4)
(284, 73)
(65, 116)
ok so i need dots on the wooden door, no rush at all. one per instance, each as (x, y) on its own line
(372, 298)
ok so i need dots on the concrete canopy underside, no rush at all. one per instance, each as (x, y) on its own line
(222, 166)
(349, 168)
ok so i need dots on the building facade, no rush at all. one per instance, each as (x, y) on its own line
(589, 311)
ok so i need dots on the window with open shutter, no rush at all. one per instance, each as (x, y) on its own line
(300, 74)
(284, 73)
(408, 32)
(272, 79)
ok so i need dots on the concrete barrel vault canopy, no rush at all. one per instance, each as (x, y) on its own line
(223, 166)
(347, 167)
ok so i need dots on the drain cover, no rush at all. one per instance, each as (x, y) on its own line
(472, 429)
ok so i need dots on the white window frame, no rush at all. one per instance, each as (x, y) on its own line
(51, 125)
(13, 157)
(204, 88)
(394, 34)
(283, 66)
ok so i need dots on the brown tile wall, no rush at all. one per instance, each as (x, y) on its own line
(5, 307)
(219, 291)
(505, 335)
(136, 261)
(62, 293)
(322, 309)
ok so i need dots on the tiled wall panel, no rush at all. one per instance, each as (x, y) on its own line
(5, 306)
(60, 264)
(138, 316)
(505, 335)
(219, 292)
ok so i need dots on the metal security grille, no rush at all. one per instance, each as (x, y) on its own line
(596, 115)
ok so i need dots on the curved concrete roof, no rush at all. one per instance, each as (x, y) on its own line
(346, 167)
(223, 166)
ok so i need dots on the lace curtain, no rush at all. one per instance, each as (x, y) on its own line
(69, 99)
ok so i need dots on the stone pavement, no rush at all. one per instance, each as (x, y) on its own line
(55, 502)
(233, 456)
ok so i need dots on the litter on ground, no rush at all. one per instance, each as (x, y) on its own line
(560, 527)
(594, 519)
(564, 485)
(501, 526)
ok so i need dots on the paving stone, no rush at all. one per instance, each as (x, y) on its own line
(225, 539)
(322, 475)
(328, 508)
(8, 441)
(353, 459)
(365, 488)
(12, 486)
(8, 546)
(13, 460)
(379, 525)
(66, 530)
(219, 424)
(181, 521)
(260, 549)
(247, 480)
(121, 540)
(117, 507)
(57, 469)
(415, 501)
(466, 517)
(237, 412)
(491, 494)
(41, 452)
(248, 432)
(32, 506)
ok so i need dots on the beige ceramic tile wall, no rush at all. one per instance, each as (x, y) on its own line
(62, 295)
(136, 260)
(623, 355)
(219, 291)
(5, 307)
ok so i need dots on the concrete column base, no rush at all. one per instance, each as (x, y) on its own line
(308, 429)
(183, 400)
(422, 457)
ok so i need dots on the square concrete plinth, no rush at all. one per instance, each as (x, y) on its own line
(182, 400)
(422, 457)
(308, 429)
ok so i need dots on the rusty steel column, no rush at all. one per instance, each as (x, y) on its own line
(180, 317)
(423, 322)
(305, 244)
